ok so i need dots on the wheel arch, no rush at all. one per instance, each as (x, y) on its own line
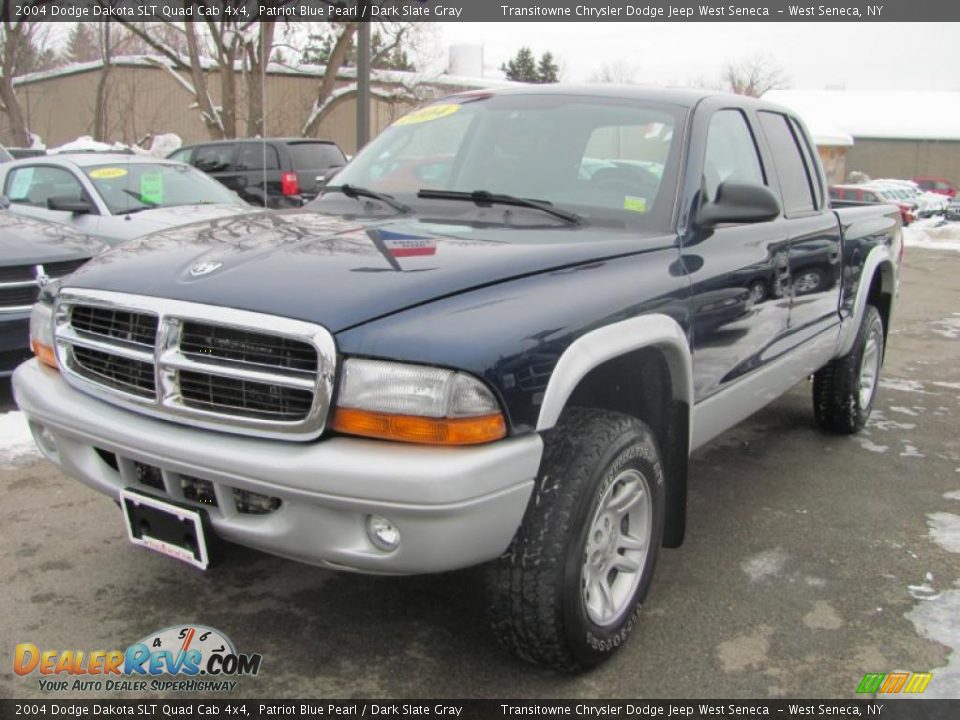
(878, 286)
(640, 367)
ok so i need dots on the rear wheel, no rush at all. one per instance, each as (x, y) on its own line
(567, 592)
(844, 390)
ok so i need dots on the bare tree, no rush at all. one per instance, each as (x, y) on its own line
(754, 76)
(22, 50)
(215, 45)
(619, 71)
(394, 36)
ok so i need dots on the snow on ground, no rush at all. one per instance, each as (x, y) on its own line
(933, 234)
(935, 617)
(16, 442)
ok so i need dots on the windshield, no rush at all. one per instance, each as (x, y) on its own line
(139, 186)
(599, 157)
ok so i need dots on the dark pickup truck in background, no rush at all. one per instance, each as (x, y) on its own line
(494, 340)
(271, 172)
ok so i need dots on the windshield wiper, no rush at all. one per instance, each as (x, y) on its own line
(486, 199)
(353, 191)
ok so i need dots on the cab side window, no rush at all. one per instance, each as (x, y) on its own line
(213, 158)
(34, 185)
(731, 153)
(796, 181)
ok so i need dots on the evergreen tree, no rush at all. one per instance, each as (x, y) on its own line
(82, 44)
(522, 67)
(547, 70)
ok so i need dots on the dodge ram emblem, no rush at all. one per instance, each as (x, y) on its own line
(205, 268)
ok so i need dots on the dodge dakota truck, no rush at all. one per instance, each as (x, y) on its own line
(494, 339)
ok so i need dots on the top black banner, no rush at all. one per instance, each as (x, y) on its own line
(483, 10)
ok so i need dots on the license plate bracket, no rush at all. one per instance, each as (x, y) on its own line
(165, 527)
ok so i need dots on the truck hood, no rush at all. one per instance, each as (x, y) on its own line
(25, 241)
(339, 272)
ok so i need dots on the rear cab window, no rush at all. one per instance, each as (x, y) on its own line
(793, 169)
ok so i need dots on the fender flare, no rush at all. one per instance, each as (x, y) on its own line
(877, 260)
(598, 346)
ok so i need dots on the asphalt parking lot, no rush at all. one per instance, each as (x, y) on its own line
(810, 560)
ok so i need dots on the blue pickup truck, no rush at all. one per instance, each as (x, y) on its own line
(494, 339)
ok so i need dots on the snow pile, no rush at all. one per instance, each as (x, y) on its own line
(85, 143)
(933, 234)
(16, 442)
(164, 144)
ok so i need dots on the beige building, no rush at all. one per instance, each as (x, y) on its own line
(145, 99)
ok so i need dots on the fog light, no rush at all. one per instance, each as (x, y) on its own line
(251, 503)
(383, 533)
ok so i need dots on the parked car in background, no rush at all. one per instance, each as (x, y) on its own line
(115, 197)
(275, 172)
(866, 194)
(928, 203)
(32, 253)
(938, 185)
(953, 209)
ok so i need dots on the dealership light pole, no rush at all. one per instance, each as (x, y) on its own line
(363, 84)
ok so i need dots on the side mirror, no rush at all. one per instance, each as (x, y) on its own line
(4, 202)
(739, 203)
(77, 206)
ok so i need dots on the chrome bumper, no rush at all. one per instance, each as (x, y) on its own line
(454, 507)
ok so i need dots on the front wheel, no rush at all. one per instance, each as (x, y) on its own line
(844, 390)
(567, 592)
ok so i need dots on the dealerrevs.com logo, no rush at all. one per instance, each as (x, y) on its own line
(205, 657)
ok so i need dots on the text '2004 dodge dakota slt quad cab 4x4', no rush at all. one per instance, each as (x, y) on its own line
(495, 339)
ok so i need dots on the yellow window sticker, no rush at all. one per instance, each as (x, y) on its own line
(107, 173)
(426, 114)
(636, 204)
(151, 188)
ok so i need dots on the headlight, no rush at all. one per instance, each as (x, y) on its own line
(41, 326)
(416, 403)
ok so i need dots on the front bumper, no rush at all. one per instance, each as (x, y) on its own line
(454, 507)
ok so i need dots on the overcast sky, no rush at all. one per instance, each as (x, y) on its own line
(858, 56)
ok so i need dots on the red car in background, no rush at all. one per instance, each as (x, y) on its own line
(872, 195)
(938, 185)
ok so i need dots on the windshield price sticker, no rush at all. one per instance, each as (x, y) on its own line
(151, 188)
(431, 112)
(107, 173)
(636, 204)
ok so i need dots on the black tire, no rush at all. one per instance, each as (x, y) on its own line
(838, 404)
(537, 588)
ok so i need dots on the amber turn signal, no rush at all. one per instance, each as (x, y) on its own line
(44, 353)
(423, 430)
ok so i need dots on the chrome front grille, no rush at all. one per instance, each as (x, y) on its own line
(20, 284)
(203, 365)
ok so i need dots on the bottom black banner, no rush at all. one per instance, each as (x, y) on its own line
(875, 708)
